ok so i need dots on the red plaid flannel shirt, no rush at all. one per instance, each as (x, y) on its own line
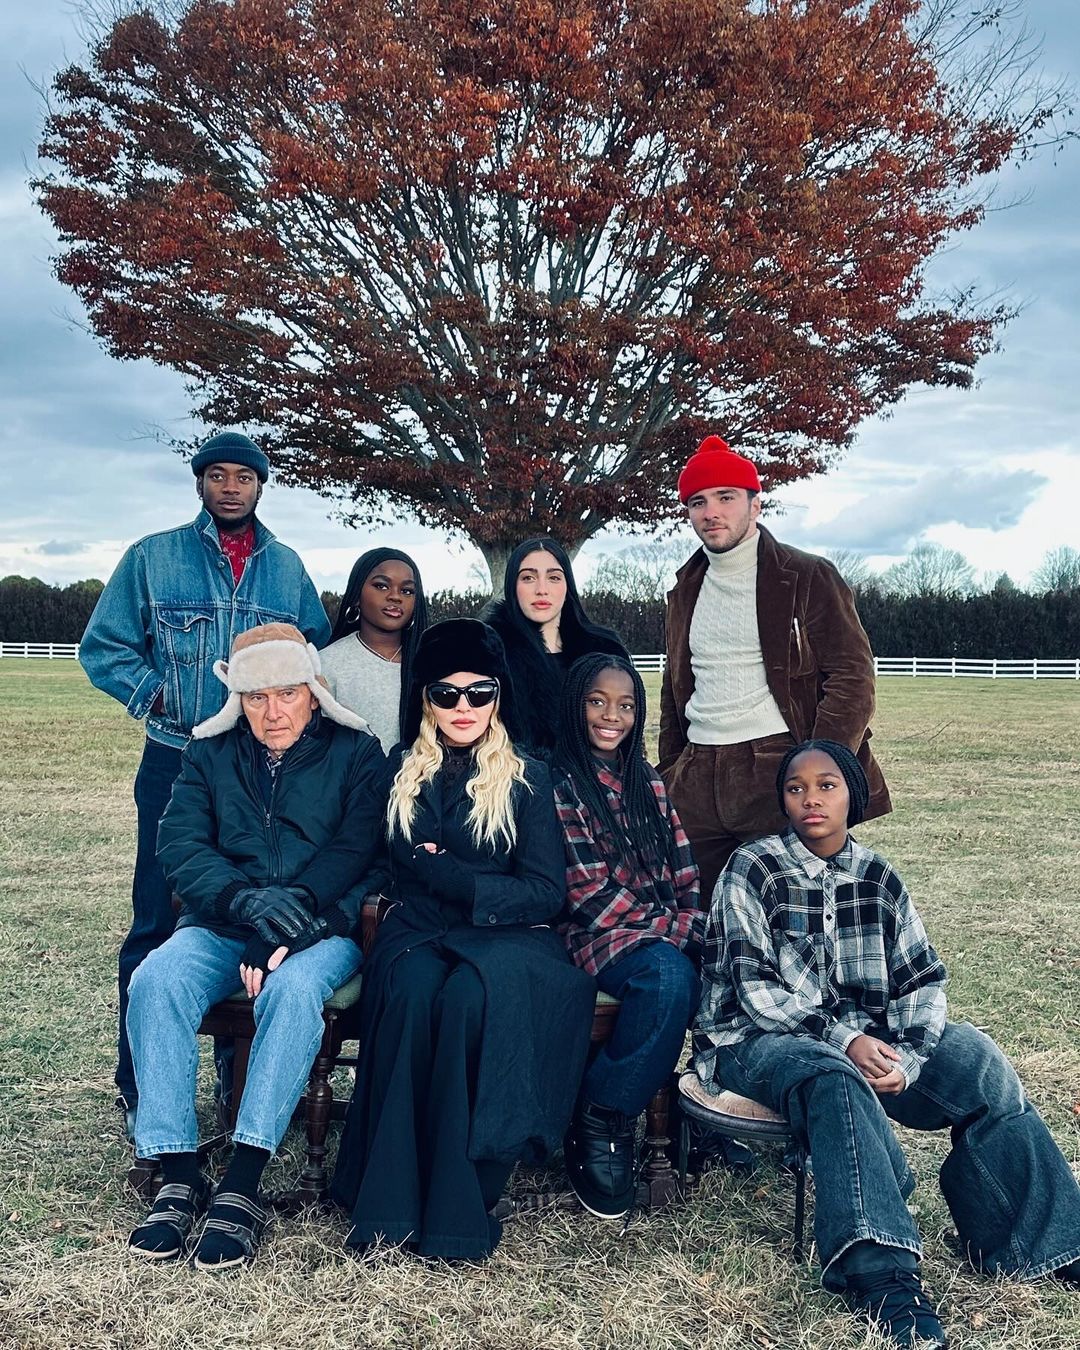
(611, 908)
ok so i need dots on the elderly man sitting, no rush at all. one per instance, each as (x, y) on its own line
(273, 824)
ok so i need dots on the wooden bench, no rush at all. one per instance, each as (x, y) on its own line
(233, 1018)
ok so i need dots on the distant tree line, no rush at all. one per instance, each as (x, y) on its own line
(929, 604)
(33, 611)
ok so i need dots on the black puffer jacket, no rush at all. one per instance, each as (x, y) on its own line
(320, 828)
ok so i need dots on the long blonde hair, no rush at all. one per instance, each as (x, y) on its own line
(490, 788)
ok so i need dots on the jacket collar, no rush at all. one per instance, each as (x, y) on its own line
(204, 527)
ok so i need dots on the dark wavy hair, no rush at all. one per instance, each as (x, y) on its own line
(537, 678)
(348, 615)
(646, 831)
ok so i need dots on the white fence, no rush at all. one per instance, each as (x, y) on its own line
(961, 668)
(947, 667)
(49, 651)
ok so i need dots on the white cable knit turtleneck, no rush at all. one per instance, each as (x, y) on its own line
(731, 702)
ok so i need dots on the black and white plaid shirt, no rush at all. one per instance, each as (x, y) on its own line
(824, 948)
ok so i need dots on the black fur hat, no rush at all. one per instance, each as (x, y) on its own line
(453, 645)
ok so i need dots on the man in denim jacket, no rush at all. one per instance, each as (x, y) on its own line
(172, 607)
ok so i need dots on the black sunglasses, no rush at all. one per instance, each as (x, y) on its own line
(479, 694)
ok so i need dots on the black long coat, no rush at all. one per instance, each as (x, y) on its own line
(538, 1005)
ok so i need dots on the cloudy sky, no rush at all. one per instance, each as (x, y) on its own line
(994, 472)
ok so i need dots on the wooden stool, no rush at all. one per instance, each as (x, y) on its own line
(736, 1117)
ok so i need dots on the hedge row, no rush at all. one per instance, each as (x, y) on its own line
(1003, 625)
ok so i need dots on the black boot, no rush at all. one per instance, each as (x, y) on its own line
(897, 1303)
(600, 1160)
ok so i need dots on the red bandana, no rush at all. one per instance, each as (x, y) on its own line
(238, 549)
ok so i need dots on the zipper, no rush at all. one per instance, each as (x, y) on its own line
(302, 751)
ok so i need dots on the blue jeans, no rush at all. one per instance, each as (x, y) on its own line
(170, 993)
(1012, 1196)
(153, 918)
(658, 989)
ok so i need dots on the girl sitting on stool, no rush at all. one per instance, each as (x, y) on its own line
(825, 1001)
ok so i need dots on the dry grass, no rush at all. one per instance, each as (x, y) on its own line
(984, 836)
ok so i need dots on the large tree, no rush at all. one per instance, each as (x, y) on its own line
(503, 260)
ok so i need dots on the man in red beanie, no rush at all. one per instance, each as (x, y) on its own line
(764, 650)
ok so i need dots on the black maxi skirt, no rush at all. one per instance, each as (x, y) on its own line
(403, 1169)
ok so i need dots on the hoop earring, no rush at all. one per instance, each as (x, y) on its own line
(352, 614)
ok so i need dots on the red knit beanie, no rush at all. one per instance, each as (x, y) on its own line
(715, 465)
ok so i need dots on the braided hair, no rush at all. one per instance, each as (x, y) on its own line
(646, 829)
(348, 615)
(850, 770)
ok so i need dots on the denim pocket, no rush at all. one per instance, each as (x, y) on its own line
(183, 634)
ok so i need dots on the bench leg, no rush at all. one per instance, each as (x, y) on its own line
(658, 1174)
(144, 1177)
(317, 1111)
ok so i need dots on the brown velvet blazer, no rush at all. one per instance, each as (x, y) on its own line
(817, 655)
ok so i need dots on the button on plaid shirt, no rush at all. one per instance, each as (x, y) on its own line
(824, 948)
(613, 907)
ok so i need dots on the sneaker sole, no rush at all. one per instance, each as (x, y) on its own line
(144, 1255)
(214, 1266)
(591, 1204)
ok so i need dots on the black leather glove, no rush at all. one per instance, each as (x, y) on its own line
(449, 879)
(277, 913)
(317, 929)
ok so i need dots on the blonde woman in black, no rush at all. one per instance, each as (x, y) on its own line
(476, 1024)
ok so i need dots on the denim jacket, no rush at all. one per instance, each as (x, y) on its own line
(170, 610)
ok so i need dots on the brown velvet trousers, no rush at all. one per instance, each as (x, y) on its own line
(725, 796)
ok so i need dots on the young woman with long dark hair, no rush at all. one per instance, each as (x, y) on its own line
(382, 616)
(475, 1023)
(632, 917)
(544, 628)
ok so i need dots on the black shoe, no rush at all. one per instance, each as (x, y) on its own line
(897, 1302)
(599, 1149)
(1069, 1274)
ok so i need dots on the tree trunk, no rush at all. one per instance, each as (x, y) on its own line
(497, 555)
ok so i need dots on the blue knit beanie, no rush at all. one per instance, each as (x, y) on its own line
(231, 447)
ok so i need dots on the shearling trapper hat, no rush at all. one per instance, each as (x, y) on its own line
(231, 447)
(271, 657)
(459, 645)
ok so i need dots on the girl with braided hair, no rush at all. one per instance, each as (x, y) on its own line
(632, 918)
(380, 621)
(824, 1000)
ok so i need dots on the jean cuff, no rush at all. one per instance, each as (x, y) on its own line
(254, 1141)
(151, 1150)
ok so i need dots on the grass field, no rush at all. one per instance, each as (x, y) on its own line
(985, 779)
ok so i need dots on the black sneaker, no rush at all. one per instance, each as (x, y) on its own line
(897, 1302)
(599, 1149)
